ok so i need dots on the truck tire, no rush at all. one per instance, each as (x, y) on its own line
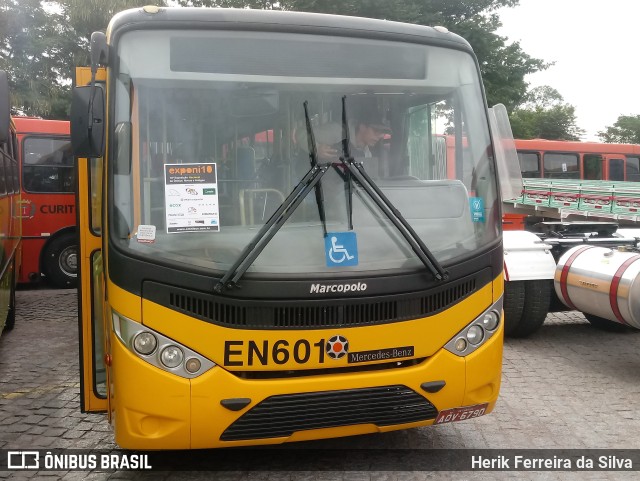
(605, 324)
(537, 299)
(513, 305)
(535, 307)
(60, 261)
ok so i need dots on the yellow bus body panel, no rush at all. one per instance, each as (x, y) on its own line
(484, 367)
(153, 409)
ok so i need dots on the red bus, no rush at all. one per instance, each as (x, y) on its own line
(47, 179)
(559, 159)
(9, 211)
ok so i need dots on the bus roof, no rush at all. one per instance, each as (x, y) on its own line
(35, 125)
(281, 21)
(571, 146)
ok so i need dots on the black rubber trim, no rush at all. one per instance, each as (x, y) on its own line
(433, 386)
(236, 404)
(282, 415)
(315, 313)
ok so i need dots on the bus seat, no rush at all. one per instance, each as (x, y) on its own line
(420, 202)
(246, 163)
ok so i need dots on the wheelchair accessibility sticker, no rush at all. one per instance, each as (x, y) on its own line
(477, 209)
(341, 249)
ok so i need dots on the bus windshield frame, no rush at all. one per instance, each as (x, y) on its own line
(221, 114)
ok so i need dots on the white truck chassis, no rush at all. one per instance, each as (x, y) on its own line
(560, 263)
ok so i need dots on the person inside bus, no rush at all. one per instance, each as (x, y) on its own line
(365, 134)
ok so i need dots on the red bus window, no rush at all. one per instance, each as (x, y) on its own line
(47, 165)
(592, 167)
(4, 154)
(616, 169)
(561, 166)
(633, 169)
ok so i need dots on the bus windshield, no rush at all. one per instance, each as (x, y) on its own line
(210, 138)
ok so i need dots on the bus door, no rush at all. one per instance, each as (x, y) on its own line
(615, 166)
(91, 289)
(93, 372)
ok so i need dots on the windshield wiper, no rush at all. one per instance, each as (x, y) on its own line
(310, 180)
(313, 158)
(356, 170)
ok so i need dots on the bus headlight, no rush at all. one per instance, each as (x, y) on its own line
(477, 332)
(475, 335)
(145, 343)
(193, 365)
(461, 344)
(171, 356)
(490, 320)
(158, 350)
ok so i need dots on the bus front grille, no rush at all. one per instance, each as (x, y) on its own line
(283, 415)
(311, 314)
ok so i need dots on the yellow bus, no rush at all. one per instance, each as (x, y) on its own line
(10, 219)
(269, 250)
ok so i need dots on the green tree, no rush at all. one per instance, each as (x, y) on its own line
(41, 43)
(33, 48)
(625, 130)
(545, 115)
(88, 16)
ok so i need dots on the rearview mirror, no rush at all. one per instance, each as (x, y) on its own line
(87, 121)
(254, 104)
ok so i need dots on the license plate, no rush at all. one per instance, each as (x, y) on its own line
(460, 414)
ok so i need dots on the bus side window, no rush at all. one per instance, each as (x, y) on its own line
(633, 169)
(426, 147)
(8, 167)
(529, 164)
(561, 166)
(48, 165)
(4, 156)
(440, 155)
(16, 171)
(592, 167)
(616, 169)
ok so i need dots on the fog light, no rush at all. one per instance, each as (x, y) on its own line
(461, 344)
(475, 335)
(193, 365)
(145, 343)
(490, 320)
(171, 356)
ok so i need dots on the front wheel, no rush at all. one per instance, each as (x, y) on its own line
(513, 305)
(526, 304)
(60, 261)
(537, 298)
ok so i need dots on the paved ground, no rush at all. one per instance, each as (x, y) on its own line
(568, 387)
